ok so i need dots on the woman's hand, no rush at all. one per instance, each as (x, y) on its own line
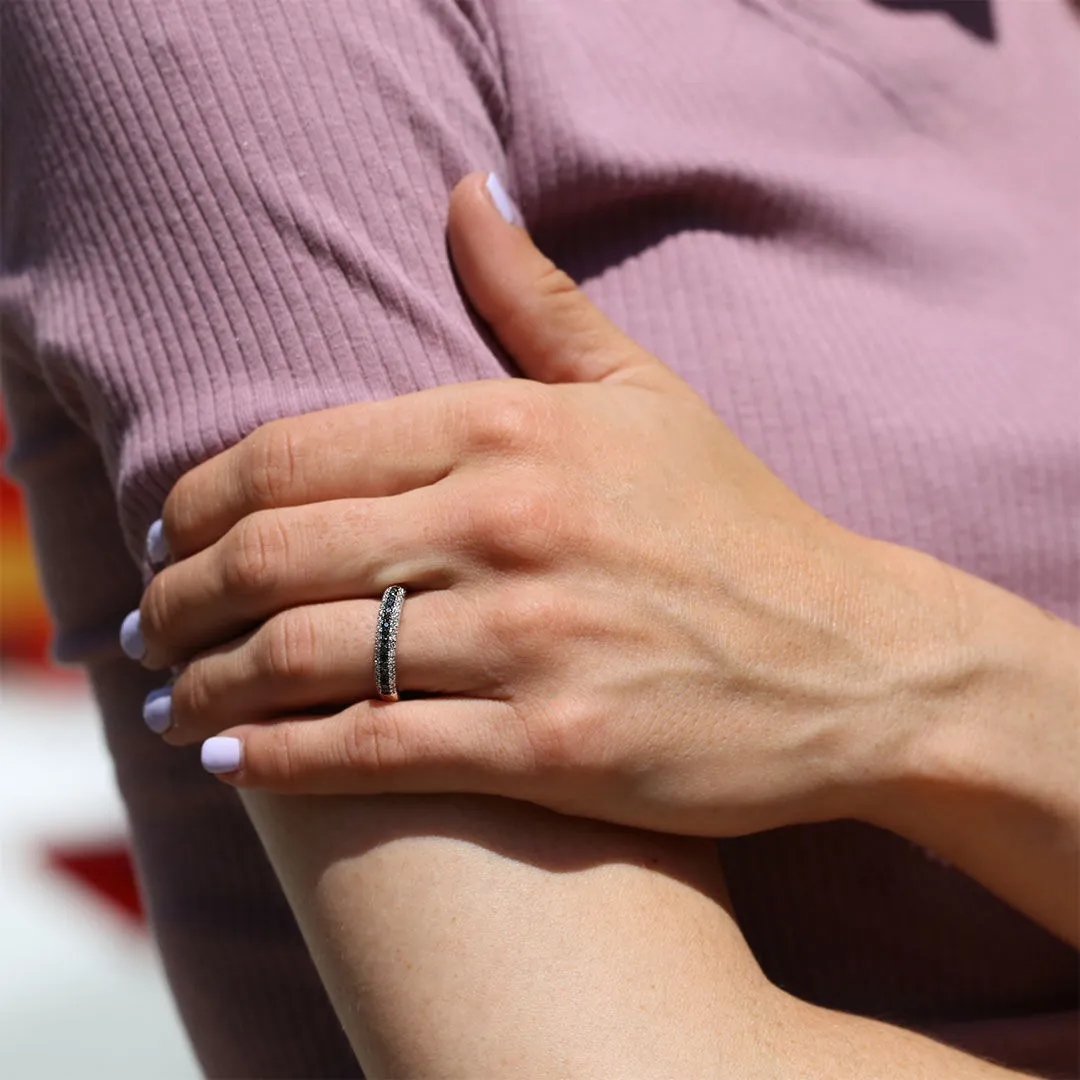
(613, 608)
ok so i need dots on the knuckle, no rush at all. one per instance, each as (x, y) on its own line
(270, 465)
(256, 555)
(553, 736)
(373, 741)
(289, 646)
(511, 419)
(180, 512)
(534, 507)
(192, 695)
(528, 621)
(563, 301)
(157, 605)
(554, 283)
(520, 524)
(278, 757)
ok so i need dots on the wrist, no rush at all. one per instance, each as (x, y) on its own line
(913, 626)
(1005, 698)
(905, 619)
(989, 776)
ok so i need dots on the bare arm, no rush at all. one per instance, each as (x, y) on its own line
(473, 936)
(993, 782)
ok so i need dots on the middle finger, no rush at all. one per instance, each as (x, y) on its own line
(276, 559)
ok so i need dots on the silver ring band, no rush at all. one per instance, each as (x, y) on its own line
(386, 629)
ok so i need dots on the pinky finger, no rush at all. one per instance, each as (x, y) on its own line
(418, 745)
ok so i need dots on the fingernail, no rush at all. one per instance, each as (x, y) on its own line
(503, 203)
(131, 639)
(221, 754)
(157, 710)
(157, 547)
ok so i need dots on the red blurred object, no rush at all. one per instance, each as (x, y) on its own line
(106, 869)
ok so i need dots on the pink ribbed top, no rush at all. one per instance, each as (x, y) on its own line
(852, 225)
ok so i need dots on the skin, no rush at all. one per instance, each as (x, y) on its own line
(478, 937)
(676, 644)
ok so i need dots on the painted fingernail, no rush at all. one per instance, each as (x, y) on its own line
(222, 754)
(157, 547)
(157, 710)
(131, 639)
(503, 203)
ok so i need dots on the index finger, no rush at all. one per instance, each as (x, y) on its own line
(362, 450)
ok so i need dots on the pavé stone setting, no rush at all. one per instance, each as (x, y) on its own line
(386, 629)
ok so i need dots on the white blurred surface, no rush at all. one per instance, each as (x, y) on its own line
(82, 995)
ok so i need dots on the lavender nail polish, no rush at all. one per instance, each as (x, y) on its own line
(131, 639)
(222, 754)
(503, 203)
(157, 547)
(157, 710)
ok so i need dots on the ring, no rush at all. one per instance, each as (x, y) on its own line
(386, 643)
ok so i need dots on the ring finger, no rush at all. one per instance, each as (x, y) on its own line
(321, 656)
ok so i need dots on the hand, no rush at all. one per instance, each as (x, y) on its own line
(613, 608)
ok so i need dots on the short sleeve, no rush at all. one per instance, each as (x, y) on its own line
(215, 213)
(218, 212)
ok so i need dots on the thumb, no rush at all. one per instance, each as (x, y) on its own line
(548, 325)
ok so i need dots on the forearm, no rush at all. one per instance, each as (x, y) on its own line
(474, 936)
(463, 936)
(829, 1045)
(992, 779)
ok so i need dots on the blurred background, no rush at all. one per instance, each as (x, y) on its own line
(82, 994)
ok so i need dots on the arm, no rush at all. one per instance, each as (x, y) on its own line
(955, 726)
(188, 338)
(709, 1011)
(336, 872)
(463, 936)
(992, 779)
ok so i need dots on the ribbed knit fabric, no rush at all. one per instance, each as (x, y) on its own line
(852, 225)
